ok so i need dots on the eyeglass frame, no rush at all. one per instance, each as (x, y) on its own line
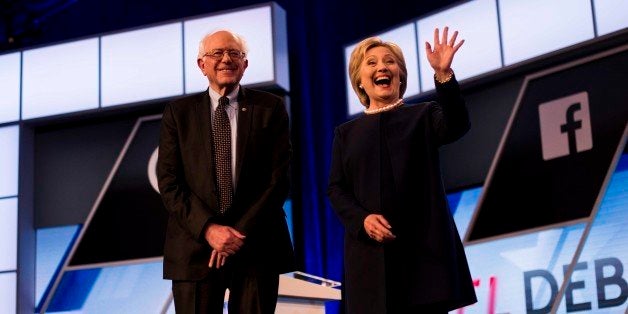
(234, 54)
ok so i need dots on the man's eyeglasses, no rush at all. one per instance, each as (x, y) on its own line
(217, 54)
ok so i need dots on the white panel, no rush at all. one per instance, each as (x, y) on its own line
(280, 48)
(254, 25)
(610, 15)
(171, 308)
(8, 294)
(10, 87)
(8, 234)
(9, 141)
(533, 27)
(405, 38)
(60, 78)
(476, 23)
(353, 103)
(142, 64)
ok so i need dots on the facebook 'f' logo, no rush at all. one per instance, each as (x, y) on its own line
(565, 126)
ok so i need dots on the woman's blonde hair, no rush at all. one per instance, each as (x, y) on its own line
(357, 56)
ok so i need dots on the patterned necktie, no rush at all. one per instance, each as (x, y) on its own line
(221, 129)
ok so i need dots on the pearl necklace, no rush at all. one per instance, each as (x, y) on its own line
(385, 108)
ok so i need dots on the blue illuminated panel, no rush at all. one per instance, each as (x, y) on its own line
(499, 269)
(287, 208)
(52, 246)
(8, 234)
(255, 25)
(131, 289)
(9, 141)
(599, 280)
(477, 23)
(522, 274)
(534, 27)
(7, 293)
(59, 79)
(610, 15)
(10, 87)
(465, 204)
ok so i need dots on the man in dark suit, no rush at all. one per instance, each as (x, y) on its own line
(223, 175)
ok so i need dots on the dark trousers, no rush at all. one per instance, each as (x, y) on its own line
(250, 291)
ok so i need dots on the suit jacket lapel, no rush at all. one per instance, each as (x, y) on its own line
(203, 114)
(245, 111)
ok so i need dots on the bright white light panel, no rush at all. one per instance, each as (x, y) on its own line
(476, 22)
(499, 33)
(8, 234)
(610, 15)
(254, 25)
(10, 87)
(534, 27)
(353, 103)
(142, 64)
(9, 141)
(8, 294)
(136, 66)
(59, 79)
(405, 38)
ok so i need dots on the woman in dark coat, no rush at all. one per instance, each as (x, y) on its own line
(402, 251)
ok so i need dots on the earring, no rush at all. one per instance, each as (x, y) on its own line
(360, 86)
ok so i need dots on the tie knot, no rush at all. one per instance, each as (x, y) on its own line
(223, 101)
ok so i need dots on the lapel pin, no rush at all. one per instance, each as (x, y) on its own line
(243, 109)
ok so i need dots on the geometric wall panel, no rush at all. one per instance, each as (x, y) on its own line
(557, 147)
